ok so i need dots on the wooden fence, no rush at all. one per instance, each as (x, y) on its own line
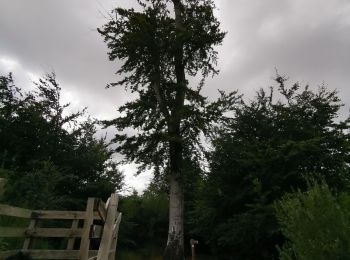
(99, 221)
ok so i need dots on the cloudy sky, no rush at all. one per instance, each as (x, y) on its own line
(308, 40)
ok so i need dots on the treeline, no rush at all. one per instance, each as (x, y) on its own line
(276, 187)
(49, 155)
(274, 145)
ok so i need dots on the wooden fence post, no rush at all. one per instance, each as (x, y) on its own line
(85, 238)
(70, 244)
(115, 237)
(106, 241)
(29, 240)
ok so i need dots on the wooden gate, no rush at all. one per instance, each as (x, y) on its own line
(100, 221)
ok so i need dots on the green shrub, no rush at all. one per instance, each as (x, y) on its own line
(316, 224)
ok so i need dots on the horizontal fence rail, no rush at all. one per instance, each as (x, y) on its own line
(48, 254)
(11, 211)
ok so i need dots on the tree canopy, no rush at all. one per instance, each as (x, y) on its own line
(147, 42)
(272, 146)
(49, 155)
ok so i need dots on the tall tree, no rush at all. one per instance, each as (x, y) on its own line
(161, 45)
(273, 143)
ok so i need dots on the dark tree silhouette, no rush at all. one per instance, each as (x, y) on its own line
(161, 46)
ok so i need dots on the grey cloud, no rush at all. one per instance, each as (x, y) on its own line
(307, 40)
(61, 36)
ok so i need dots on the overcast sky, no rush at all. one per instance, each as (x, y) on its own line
(308, 40)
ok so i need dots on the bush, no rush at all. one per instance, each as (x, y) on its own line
(316, 223)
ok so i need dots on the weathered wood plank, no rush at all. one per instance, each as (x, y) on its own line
(28, 241)
(52, 214)
(54, 232)
(97, 231)
(40, 232)
(106, 240)
(85, 240)
(115, 237)
(107, 202)
(116, 225)
(70, 243)
(102, 211)
(48, 254)
(11, 211)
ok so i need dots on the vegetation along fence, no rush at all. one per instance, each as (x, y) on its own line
(98, 223)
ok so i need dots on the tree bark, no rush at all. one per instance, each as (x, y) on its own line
(175, 244)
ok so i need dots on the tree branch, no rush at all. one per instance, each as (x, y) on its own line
(160, 99)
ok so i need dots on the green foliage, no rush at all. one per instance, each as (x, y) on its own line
(148, 253)
(43, 178)
(145, 220)
(14, 242)
(49, 155)
(165, 111)
(268, 149)
(3, 244)
(316, 224)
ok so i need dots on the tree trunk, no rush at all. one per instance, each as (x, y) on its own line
(175, 244)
